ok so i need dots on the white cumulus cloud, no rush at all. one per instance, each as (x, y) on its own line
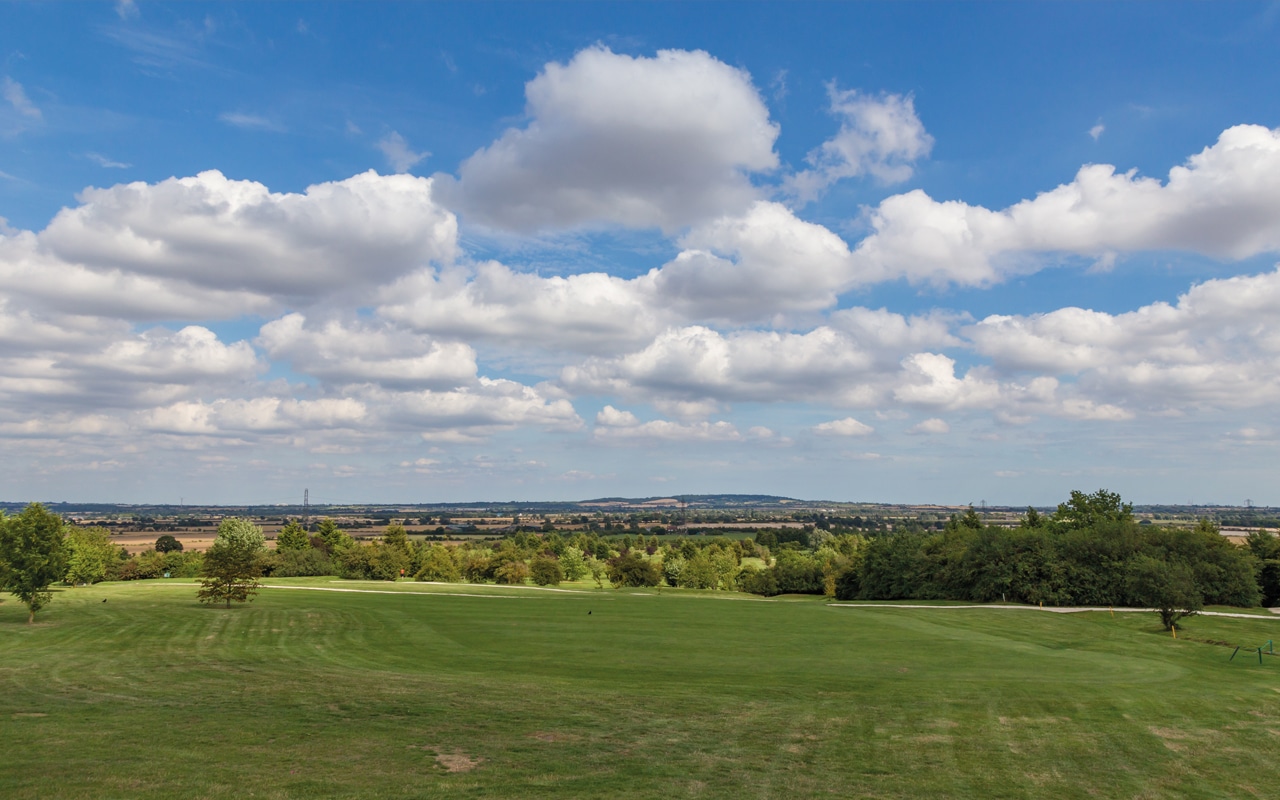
(880, 136)
(643, 142)
(844, 427)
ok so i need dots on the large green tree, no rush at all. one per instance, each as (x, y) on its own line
(233, 563)
(1088, 510)
(33, 554)
(89, 552)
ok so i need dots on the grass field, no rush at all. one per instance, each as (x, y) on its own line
(421, 691)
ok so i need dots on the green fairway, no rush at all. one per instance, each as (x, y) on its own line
(421, 691)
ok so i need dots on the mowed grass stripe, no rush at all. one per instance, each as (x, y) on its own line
(323, 694)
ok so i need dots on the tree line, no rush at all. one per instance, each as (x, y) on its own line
(1090, 551)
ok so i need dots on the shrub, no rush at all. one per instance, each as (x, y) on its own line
(512, 573)
(757, 581)
(546, 571)
(633, 570)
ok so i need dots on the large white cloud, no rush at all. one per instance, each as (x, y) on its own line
(124, 371)
(360, 352)
(1219, 345)
(663, 141)
(1225, 202)
(238, 236)
(695, 363)
(29, 271)
(752, 266)
(590, 312)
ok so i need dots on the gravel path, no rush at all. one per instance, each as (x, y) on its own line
(1052, 609)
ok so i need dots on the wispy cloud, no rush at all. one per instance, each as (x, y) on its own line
(399, 155)
(103, 161)
(157, 50)
(17, 97)
(127, 9)
(1096, 131)
(250, 122)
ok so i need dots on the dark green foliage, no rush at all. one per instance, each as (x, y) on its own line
(396, 536)
(849, 585)
(33, 554)
(546, 571)
(758, 581)
(634, 570)
(332, 539)
(1265, 547)
(386, 562)
(797, 572)
(296, 563)
(168, 544)
(1169, 588)
(1085, 555)
(894, 568)
(292, 537)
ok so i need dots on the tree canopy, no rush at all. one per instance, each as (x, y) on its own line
(233, 563)
(33, 554)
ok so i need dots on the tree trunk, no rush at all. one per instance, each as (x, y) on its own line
(31, 615)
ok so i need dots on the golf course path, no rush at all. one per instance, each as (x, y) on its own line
(1055, 610)
(401, 592)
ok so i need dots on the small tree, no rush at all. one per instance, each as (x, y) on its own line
(168, 544)
(1169, 588)
(396, 536)
(89, 552)
(233, 564)
(438, 565)
(546, 571)
(292, 537)
(32, 556)
(573, 564)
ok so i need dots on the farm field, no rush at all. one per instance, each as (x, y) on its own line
(413, 690)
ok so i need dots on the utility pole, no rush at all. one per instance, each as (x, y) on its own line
(306, 508)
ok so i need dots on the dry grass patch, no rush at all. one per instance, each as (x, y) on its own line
(457, 761)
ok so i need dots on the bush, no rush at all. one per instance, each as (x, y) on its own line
(797, 573)
(758, 581)
(546, 571)
(633, 570)
(512, 573)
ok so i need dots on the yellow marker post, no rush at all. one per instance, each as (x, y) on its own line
(1174, 629)
(1112, 610)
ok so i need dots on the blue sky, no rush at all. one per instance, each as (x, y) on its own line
(916, 252)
